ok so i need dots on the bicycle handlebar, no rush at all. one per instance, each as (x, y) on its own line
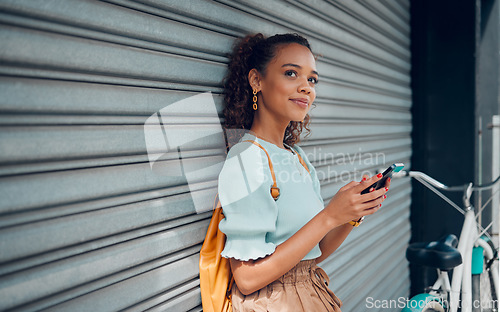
(439, 185)
(487, 185)
(467, 190)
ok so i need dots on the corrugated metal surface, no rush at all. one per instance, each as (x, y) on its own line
(84, 222)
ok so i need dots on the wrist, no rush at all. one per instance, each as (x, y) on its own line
(328, 220)
(357, 222)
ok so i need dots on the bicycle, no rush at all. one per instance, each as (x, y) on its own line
(473, 259)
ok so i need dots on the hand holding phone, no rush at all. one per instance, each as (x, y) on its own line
(385, 175)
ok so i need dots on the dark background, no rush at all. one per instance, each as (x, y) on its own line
(455, 65)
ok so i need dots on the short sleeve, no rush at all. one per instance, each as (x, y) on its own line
(314, 174)
(250, 211)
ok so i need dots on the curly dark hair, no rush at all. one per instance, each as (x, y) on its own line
(254, 51)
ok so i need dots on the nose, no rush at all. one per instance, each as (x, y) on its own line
(305, 87)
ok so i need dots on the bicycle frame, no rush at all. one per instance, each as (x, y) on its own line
(462, 281)
(461, 284)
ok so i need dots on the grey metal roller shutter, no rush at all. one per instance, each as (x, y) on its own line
(86, 225)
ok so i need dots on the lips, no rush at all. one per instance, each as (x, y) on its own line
(304, 103)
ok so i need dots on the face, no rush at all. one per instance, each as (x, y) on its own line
(287, 88)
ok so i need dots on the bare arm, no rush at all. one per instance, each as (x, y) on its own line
(333, 240)
(348, 204)
(254, 274)
(336, 237)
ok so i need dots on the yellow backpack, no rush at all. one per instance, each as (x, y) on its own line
(216, 279)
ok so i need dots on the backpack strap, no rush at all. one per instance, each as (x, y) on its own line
(275, 191)
(302, 162)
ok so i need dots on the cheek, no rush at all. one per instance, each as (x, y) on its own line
(281, 85)
(313, 94)
(278, 88)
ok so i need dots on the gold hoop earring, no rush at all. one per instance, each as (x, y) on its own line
(254, 100)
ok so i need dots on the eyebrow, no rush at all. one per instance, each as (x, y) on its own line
(298, 66)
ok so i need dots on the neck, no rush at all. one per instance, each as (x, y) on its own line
(269, 129)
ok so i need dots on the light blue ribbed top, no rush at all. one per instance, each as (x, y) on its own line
(254, 222)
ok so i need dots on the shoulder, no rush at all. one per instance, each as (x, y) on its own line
(245, 148)
(304, 156)
(300, 151)
(245, 174)
(245, 154)
(244, 160)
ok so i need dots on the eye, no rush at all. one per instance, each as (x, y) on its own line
(291, 73)
(314, 80)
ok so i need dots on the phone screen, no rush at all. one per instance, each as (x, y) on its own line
(385, 175)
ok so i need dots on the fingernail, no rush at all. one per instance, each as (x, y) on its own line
(364, 178)
(379, 175)
(372, 189)
(380, 205)
(386, 189)
(385, 196)
(389, 179)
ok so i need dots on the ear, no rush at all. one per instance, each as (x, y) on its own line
(254, 79)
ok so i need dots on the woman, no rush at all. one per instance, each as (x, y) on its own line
(274, 245)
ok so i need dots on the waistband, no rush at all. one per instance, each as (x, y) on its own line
(303, 271)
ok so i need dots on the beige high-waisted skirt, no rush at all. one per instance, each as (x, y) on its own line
(303, 288)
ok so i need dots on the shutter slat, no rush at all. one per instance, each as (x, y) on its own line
(92, 91)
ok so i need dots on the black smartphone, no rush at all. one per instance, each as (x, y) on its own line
(397, 167)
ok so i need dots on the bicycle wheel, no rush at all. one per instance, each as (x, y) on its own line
(483, 293)
(488, 294)
(424, 303)
(484, 296)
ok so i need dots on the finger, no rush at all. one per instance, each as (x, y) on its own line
(364, 184)
(365, 177)
(348, 185)
(388, 182)
(374, 194)
(380, 200)
(376, 204)
(377, 197)
(371, 210)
